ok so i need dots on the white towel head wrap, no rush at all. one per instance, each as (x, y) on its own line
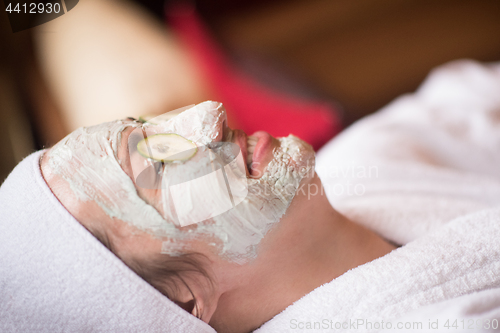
(56, 277)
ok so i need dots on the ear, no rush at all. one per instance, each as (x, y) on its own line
(188, 306)
(196, 301)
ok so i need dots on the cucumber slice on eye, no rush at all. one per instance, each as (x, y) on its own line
(167, 148)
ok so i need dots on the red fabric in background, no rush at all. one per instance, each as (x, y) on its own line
(254, 106)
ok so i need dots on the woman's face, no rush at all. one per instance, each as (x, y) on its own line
(102, 164)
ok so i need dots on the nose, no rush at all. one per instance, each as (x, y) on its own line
(217, 121)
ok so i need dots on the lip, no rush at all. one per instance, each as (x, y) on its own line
(262, 154)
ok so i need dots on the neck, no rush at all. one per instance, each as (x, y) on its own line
(311, 246)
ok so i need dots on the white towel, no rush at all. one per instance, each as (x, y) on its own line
(423, 160)
(477, 312)
(56, 277)
(425, 172)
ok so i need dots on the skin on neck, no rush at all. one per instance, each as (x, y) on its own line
(311, 246)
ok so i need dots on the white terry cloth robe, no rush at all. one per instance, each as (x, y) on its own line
(423, 172)
(56, 277)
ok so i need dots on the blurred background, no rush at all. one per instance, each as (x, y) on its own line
(108, 59)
